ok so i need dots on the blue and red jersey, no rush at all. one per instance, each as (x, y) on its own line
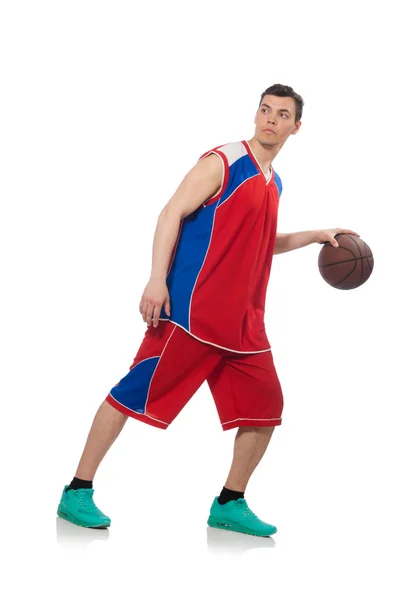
(220, 265)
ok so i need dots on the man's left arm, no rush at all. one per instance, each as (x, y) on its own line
(291, 241)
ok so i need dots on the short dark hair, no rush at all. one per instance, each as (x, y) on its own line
(285, 90)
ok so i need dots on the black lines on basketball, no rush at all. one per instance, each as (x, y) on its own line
(348, 275)
(368, 251)
(359, 251)
(340, 262)
(335, 263)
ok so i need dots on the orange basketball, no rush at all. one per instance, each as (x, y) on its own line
(349, 265)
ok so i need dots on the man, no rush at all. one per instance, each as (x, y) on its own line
(204, 309)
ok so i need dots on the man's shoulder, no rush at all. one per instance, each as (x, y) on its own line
(232, 151)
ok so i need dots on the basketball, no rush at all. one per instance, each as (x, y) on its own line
(347, 266)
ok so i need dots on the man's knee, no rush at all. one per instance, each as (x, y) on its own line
(261, 429)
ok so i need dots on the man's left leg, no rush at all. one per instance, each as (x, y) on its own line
(249, 447)
(229, 510)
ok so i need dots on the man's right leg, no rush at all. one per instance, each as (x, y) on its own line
(76, 504)
(107, 425)
(168, 369)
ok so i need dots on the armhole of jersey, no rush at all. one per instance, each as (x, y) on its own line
(225, 176)
(279, 184)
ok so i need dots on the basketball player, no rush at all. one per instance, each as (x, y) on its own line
(204, 309)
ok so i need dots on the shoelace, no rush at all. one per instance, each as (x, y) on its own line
(84, 497)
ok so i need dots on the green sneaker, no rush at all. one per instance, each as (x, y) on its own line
(78, 507)
(236, 516)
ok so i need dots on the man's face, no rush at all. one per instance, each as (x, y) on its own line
(277, 114)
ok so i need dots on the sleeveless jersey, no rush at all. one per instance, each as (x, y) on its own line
(220, 265)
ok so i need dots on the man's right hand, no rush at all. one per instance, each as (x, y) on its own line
(154, 296)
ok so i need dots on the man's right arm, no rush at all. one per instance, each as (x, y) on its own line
(200, 183)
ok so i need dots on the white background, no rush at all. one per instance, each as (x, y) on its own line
(104, 107)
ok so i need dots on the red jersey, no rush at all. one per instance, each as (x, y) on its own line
(220, 265)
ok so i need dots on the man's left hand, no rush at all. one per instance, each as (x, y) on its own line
(328, 235)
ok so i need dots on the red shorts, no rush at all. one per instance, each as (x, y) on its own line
(171, 365)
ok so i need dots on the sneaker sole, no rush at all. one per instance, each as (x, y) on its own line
(218, 524)
(68, 517)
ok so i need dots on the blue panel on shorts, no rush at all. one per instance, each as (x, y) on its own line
(132, 390)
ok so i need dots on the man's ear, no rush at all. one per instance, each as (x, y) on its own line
(297, 127)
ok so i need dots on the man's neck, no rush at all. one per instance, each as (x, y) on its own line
(263, 154)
